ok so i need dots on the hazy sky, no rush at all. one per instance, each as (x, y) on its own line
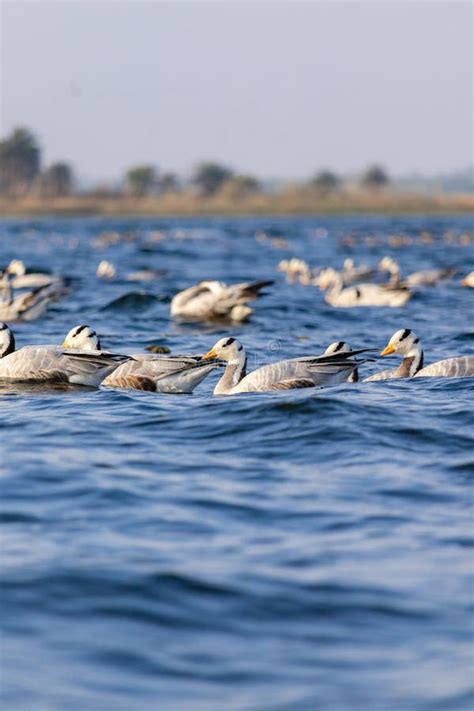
(270, 87)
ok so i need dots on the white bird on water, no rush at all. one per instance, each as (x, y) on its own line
(360, 294)
(26, 306)
(21, 279)
(305, 372)
(211, 300)
(425, 277)
(155, 373)
(53, 364)
(407, 344)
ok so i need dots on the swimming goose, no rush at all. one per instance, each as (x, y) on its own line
(155, 373)
(21, 279)
(425, 277)
(360, 295)
(309, 371)
(52, 364)
(106, 270)
(342, 347)
(210, 300)
(407, 344)
(27, 306)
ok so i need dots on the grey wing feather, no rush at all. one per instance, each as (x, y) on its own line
(292, 384)
(458, 367)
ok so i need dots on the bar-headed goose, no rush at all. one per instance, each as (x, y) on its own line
(210, 300)
(26, 306)
(21, 279)
(360, 294)
(306, 372)
(407, 344)
(53, 364)
(155, 373)
(425, 277)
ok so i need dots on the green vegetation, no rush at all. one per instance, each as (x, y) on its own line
(56, 181)
(209, 177)
(20, 158)
(326, 182)
(140, 180)
(375, 178)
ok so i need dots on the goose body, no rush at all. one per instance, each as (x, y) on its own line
(407, 344)
(425, 277)
(163, 374)
(53, 364)
(210, 300)
(360, 294)
(309, 371)
(27, 306)
(21, 279)
(156, 373)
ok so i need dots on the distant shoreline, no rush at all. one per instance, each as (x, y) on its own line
(290, 203)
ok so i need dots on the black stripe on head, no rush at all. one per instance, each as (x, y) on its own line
(405, 334)
(417, 340)
(79, 329)
(339, 346)
(228, 342)
(3, 326)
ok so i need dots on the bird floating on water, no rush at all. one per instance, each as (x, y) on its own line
(425, 277)
(53, 364)
(361, 294)
(215, 300)
(407, 344)
(26, 306)
(305, 372)
(155, 373)
(21, 279)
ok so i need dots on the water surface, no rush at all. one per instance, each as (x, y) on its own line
(281, 552)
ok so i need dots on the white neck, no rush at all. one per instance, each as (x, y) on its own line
(337, 283)
(234, 371)
(412, 362)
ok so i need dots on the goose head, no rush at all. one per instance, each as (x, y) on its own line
(337, 347)
(404, 343)
(106, 270)
(7, 340)
(82, 337)
(16, 267)
(328, 277)
(388, 264)
(228, 349)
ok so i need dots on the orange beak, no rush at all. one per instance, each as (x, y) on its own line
(210, 355)
(387, 350)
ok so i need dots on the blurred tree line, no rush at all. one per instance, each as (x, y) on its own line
(21, 174)
(20, 168)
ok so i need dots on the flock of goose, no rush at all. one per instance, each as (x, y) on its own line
(80, 359)
(346, 288)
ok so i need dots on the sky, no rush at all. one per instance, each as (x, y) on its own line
(269, 87)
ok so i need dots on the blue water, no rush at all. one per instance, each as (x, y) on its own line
(298, 551)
